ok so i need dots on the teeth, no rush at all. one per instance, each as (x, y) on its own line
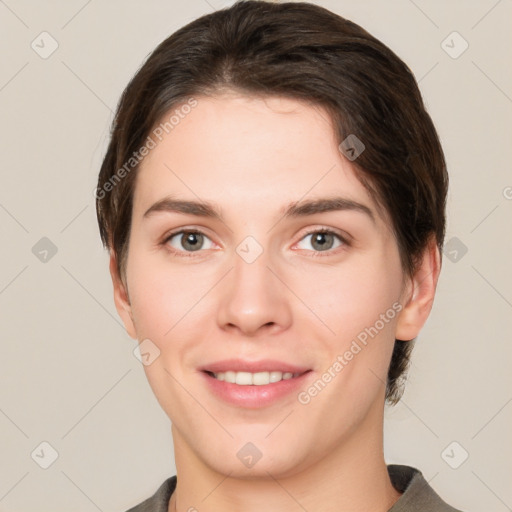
(257, 379)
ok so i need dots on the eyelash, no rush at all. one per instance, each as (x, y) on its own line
(316, 254)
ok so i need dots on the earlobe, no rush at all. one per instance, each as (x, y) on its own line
(419, 296)
(121, 298)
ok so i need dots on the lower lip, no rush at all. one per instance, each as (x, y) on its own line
(252, 396)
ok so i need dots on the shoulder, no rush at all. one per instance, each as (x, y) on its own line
(159, 502)
(417, 492)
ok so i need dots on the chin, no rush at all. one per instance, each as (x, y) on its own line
(256, 461)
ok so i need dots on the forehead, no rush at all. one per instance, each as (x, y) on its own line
(248, 152)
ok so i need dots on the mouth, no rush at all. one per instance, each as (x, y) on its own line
(263, 378)
(255, 390)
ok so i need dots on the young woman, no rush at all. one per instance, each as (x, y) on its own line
(273, 199)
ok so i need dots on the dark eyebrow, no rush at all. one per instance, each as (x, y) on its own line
(300, 209)
(198, 208)
(293, 210)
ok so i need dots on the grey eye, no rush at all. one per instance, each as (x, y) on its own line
(322, 240)
(189, 241)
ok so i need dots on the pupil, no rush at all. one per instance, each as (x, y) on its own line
(320, 239)
(192, 239)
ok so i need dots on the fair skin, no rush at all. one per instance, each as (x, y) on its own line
(297, 302)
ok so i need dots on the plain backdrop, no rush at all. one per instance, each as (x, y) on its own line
(69, 378)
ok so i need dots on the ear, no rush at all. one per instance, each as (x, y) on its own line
(121, 298)
(419, 295)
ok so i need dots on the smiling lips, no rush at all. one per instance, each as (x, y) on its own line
(257, 379)
(255, 396)
(253, 384)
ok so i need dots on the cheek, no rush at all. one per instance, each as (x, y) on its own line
(353, 297)
(166, 307)
(163, 298)
(358, 307)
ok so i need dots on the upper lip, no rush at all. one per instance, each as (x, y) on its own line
(239, 365)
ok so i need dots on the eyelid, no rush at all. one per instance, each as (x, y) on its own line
(168, 235)
(344, 236)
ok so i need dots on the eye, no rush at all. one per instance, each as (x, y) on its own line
(190, 240)
(323, 240)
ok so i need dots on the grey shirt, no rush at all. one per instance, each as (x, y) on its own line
(417, 495)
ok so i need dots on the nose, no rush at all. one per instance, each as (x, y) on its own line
(253, 299)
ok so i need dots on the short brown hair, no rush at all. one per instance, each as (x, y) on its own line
(305, 52)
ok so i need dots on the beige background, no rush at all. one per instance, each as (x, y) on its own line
(68, 374)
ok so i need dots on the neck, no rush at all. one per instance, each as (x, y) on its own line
(351, 476)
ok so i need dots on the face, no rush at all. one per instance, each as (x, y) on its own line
(289, 261)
